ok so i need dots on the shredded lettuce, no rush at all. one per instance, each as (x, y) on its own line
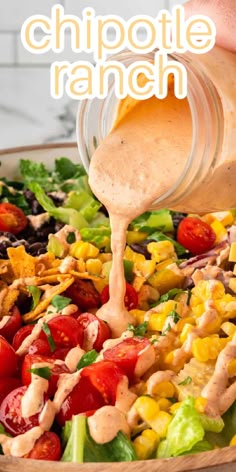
(100, 237)
(82, 201)
(149, 221)
(184, 431)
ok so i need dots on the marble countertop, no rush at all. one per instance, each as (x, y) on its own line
(28, 114)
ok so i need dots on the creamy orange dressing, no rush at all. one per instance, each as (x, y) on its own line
(124, 397)
(106, 423)
(73, 357)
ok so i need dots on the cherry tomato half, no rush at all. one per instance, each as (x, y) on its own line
(12, 218)
(11, 416)
(131, 297)
(195, 235)
(83, 294)
(56, 370)
(64, 330)
(125, 354)
(12, 326)
(7, 385)
(21, 334)
(8, 359)
(46, 448)
(102, 333)
(96, 388)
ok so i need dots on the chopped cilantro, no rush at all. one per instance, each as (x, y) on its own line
(60, 302)
(44, 372)
(186, 381)
(166, 330)
(139, 330)
(50, 339)
(87, 359)
(36, 294)
(174, 315)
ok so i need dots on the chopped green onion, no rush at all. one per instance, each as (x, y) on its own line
(44, 372)
(87, 359)
(50, 339)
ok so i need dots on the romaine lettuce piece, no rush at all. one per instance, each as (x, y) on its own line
(184, 431)
(65, 215)
(158, 236)
(152, 221)
(87, 205)
(100, 237)
(66, 169)
(82, 448)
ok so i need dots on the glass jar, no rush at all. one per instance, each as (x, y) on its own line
(206, 183)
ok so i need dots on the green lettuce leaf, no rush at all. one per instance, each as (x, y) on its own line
(184, 431)
(82, 201)
(153, 220)
(100, 237)
(82, 448)
(65, 169)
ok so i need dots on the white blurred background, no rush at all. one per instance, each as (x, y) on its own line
(28, 115)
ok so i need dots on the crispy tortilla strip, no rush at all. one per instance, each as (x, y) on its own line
(85, 275)
(52, 279)
(8, 301)
(52, 271)
(4, 265)
(46, 300)
(23, 264)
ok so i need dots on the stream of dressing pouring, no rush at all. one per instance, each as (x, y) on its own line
(139, 160)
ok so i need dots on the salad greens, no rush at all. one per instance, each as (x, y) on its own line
(80, 446)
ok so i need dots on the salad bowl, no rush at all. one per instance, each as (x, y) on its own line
(223, 460)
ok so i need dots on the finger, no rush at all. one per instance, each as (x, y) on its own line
(222, 13)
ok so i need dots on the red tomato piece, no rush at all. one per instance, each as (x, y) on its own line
(102, 334)
(83, 294)
(96, 388)
(46, 448)
(131, 297)
(195, 235)
(10, 414)
(12, 218)
(8, 359)
(60, 353)
(84, 397)
(21, 335)
(56, 370)
(64, 330)
(40, 347)
(11, 327)
(125, 354)
(7, 385)
(104, 376)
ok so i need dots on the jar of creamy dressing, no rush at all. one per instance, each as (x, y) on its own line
(187, 146)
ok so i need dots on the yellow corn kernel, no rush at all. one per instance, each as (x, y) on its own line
(168, 358)
(161, 250)
(183, 321)
(131, 255)
(198, 310)
(186, 330)
(105, 257)
(174, 407)
(145, 268)
(164, 389)
(214, 325)
(94, 266)
(200, 404)
(164, 404)
(146, 407)
(138, 315)
(228, 328)
(231, 368)
(160, 423)
(138, 282)
(233, 441)
(206, 290)
(146, 444)
(219, 230)
(208, 348)
(83, 250)
(232, 284)
(156, 321)
(232, 254)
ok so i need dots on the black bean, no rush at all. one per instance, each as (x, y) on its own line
(177, 218)
(29, 196)
(42, 233)
(36, 208)
(141, 248)
(58, 226)
(8, 235)
(41, 251)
